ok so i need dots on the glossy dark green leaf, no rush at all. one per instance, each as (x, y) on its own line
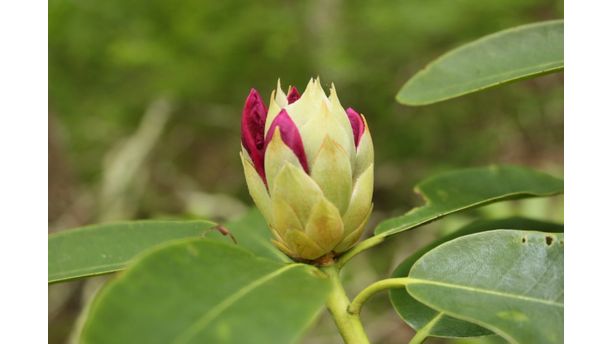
(506, 56)
(251, 232)
(508, 281)
(417, 315)
(463, 189)
(105, 248)
(203, 291)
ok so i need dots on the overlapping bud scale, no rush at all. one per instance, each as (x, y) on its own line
(308, 164)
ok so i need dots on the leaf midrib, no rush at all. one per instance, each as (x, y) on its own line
(404, 227)
(88, 271)
(215, 311)
(493, 79)
(484, 291)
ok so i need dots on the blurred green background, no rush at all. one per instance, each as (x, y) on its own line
(146, 97)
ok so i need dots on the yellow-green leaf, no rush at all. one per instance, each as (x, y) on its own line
(105, 248)
(418, 315)
(468, 188)
(506, 56)
(203, 291)
(508, 281)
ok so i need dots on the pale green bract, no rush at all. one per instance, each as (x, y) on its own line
(322, 211)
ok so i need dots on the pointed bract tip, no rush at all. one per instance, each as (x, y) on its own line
(290, 136)
(357, 124)
(293, 95)
(252, 129)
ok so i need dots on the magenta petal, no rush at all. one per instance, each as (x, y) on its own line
(290, 136)
(252, 131)
(357, 125)
(293, 95)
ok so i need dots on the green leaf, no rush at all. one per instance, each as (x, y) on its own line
(101, 249)
(508, 281)
(417, 315)
(506, 56)
(463, 189)
(203, 291)
(251, 232)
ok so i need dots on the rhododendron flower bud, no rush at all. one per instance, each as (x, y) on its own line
(308, 163)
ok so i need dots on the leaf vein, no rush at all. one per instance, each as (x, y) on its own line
(214, 312)
(484, 291)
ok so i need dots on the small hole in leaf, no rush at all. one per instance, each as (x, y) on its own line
(549, 240)
(524, 240)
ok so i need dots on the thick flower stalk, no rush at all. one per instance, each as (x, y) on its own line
(308, 164)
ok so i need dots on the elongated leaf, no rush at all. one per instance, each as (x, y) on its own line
(459, 190)
(510, 55)
(251, 232)
(202, 291)
(509, 281)
(101, 249)
(417, 315)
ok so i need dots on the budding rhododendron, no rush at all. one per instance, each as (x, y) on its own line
(308, 163)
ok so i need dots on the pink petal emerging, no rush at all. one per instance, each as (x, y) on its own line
(252, 131)
(357, 124)
(293, 95)
(290, 136)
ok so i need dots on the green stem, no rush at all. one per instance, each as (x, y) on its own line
(421, 335)
(348, 324)
(362, 246)
(364, 295)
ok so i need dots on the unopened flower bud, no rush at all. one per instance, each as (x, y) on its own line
(308, 163)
